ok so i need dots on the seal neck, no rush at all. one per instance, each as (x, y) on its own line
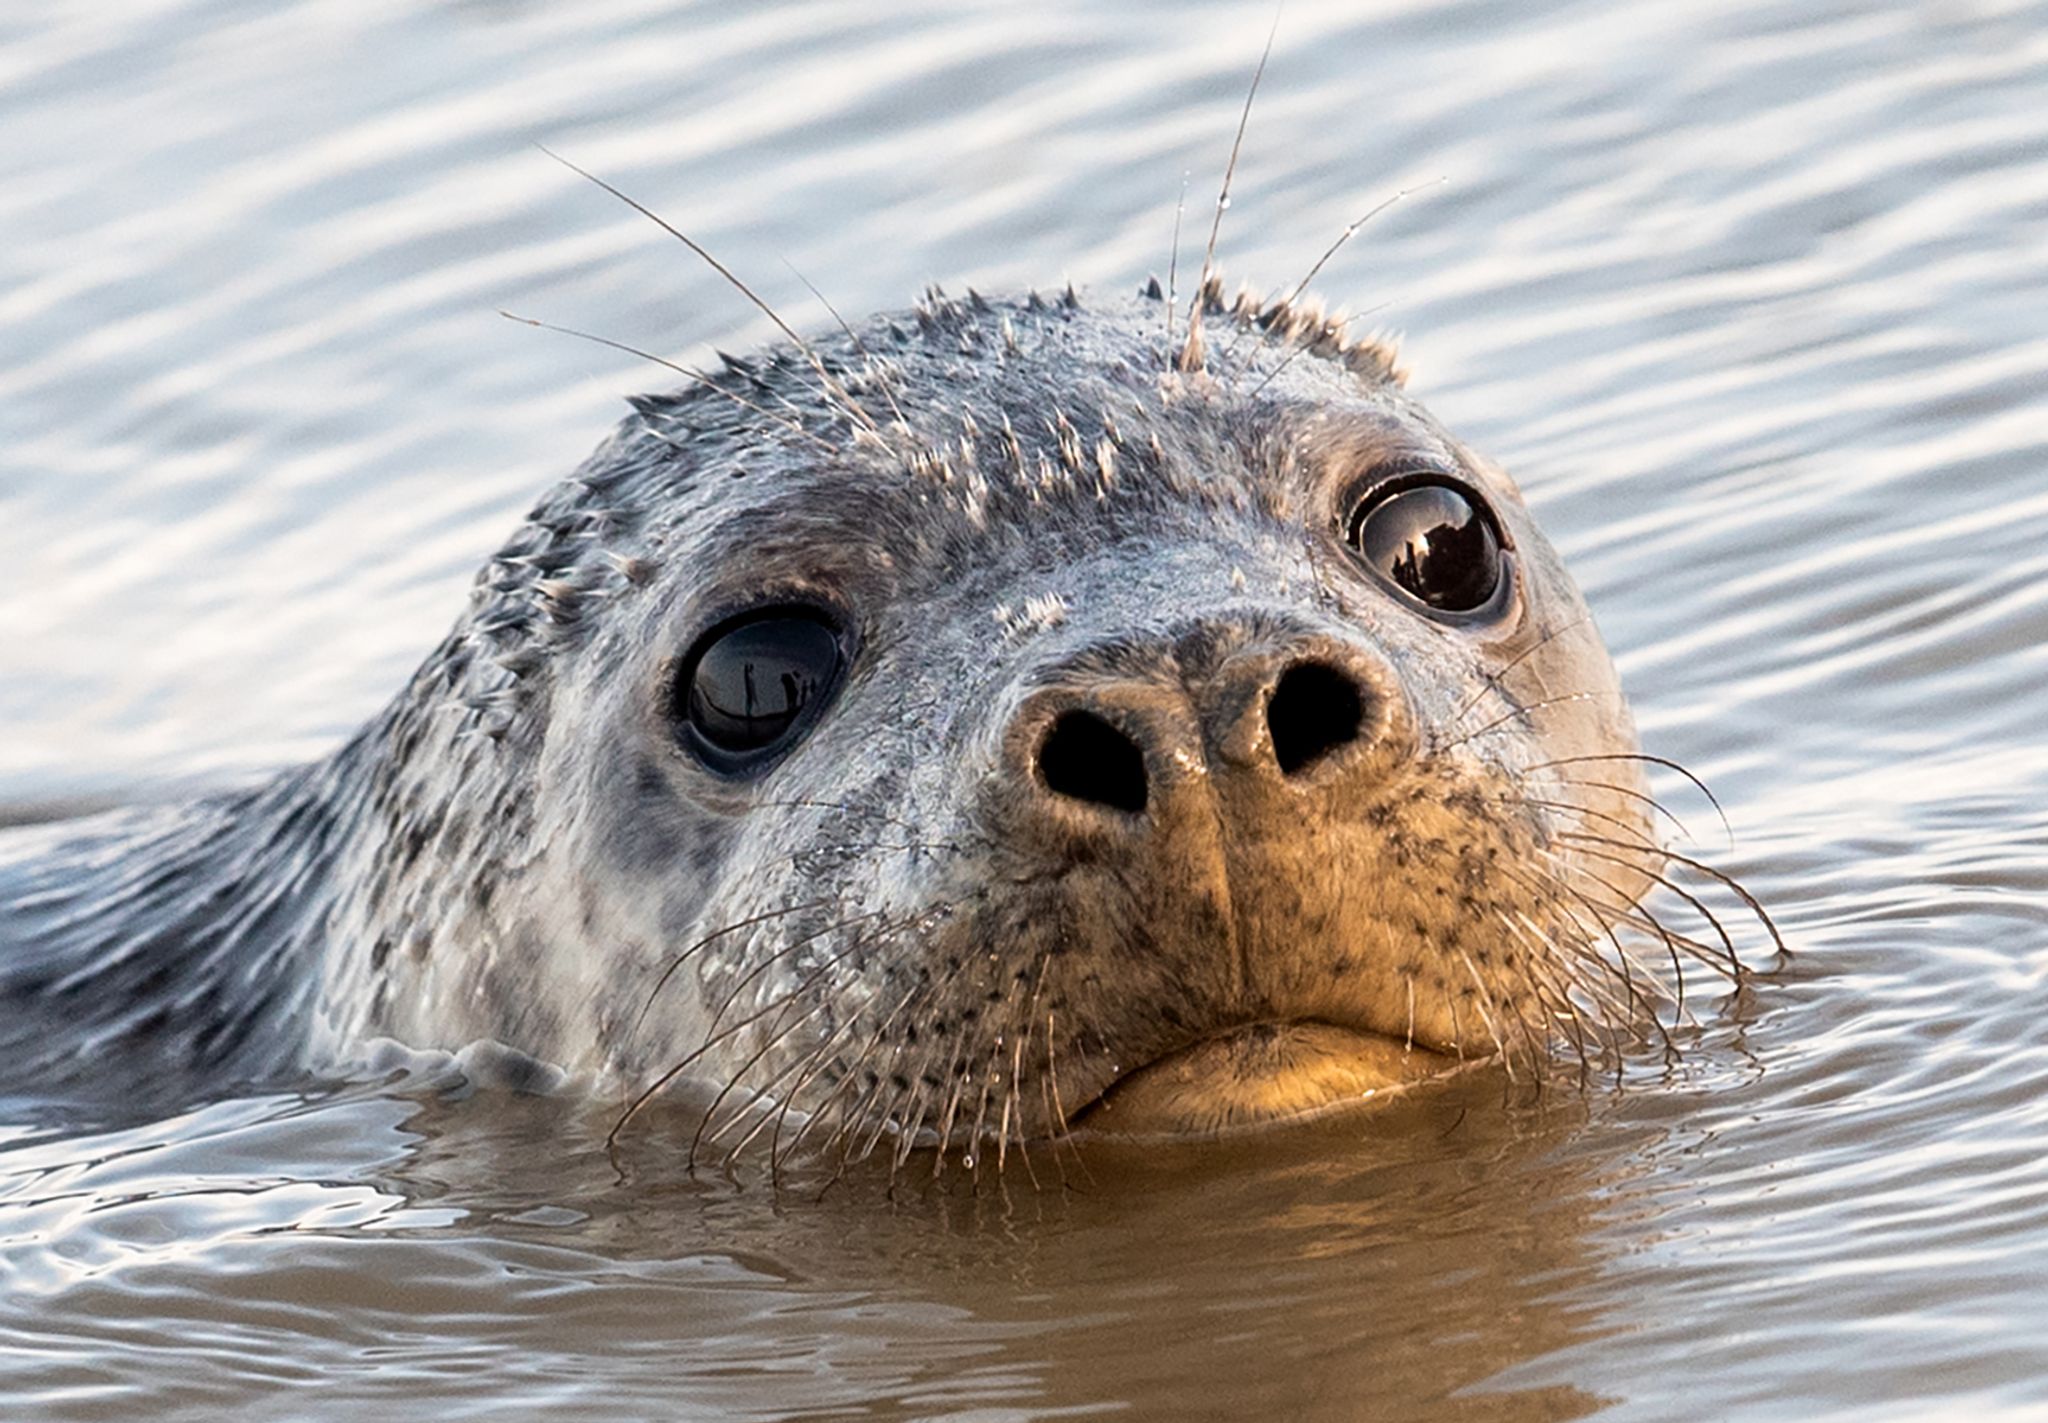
(159, 954)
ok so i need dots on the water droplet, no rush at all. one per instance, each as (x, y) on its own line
(1225, 204)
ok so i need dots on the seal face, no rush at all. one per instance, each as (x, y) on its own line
(978, 723)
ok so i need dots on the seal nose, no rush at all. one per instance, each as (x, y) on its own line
(1264, 714)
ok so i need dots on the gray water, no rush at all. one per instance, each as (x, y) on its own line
(1750, 297)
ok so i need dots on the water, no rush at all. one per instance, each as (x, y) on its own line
(1750, 296)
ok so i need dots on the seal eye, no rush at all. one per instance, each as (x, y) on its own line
(751, 684)
(1433, 540)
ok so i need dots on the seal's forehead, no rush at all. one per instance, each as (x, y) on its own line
(963, 412)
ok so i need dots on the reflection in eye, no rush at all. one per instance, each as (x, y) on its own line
(748, 685)
(1434, 542)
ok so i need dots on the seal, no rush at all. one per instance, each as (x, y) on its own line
(1000, 717)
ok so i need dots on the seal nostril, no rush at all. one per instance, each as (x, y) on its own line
(1083, 757)
(1314, 710)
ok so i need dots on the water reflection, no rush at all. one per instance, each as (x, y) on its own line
(1409, 1257)
(1748, 297)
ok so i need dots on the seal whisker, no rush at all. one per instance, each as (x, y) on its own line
(1563, 1008)
(843, 1031)
(1408, 982)
(832, 388)
(1491, 681)
(1058, 1129)
(1666, 762)
(777, 1033)
(1610, 1011)
(852, 1122)
(1637, 916)
(1173, 263)
(1060, 1113)
(956, 1078)
(1190, 359)
(1302, 347)
(1015, 1099)
(680, 959)
(714, 1038)
(1728, 882)
(1457, 1031)
(850, 1076)
(859, 346)
(923, 1084)
(976, 1138)
(1634, 975)
(1480, 1000)
(1708, 956)
(712, 1035)
(1584, 813)
(704, 381)
(813, 1065)
(1642, 798)
(1521, 711)
(1619, 968)
(1343, 237)
(1735, 887)
(1631, 911)
(798, 1068)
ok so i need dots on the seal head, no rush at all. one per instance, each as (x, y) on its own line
(978, 722)
(985, 721)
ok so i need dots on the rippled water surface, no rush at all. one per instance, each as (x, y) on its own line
(1751, 297)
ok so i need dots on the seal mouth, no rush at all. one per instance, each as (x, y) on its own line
(1259, 1075)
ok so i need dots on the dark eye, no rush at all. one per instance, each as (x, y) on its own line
(751, 685)
(1434, 541)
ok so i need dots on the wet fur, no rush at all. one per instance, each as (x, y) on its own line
(1006, 499)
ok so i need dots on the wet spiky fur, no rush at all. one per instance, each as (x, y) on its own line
(877, 943)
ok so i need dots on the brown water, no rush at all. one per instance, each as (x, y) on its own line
(1750, 296)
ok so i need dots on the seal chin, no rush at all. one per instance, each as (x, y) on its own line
(1260, 1075)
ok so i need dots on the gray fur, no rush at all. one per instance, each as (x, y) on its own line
(1017, 505)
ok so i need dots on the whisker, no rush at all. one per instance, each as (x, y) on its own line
(1479, 1001)
(1345, 236)
(1491, 681)
(1668, 764)
(714, 1038)
(1584, 811)
(1522, 711)
(1613, 1011)
(839, 1090)
(1173, 263)
(859, 346)
(1650, 802)
(1631, 968)
(753, 975)
(1191, 353)
(1728, 882)
(777, 1035)
(831, 386)
(678, 961)
(1621, 968)
(1556, 996)
(1302, 347)
(787, 423)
